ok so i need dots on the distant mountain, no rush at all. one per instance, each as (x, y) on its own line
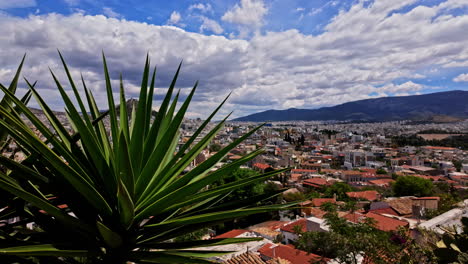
(452, 105)
(130, 103)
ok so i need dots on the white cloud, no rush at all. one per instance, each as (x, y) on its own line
(461, 78)
(248, 13)
(174, 19)
(5, 4)
(210, 25)
(72, 2)
(204, 8)
(109, 12)
(362, 54)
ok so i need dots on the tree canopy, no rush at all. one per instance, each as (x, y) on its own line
(412, 185)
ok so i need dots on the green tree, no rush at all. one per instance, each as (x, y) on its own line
(125, 196)
(457, 164)
(237, 175)
(347, 242)
(411, 185)
(214, 147)
(381, 171)
(338, 188)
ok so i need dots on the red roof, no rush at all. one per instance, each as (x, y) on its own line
(386, 223)
(316, 212)
(374, 171)
(387, 210)
(369, 175)
(382, 182)
(262, 166)
(382, 222)
(303, 171)
(232, 234)
(296, 176)
(368, 195)
(317, 202)
(295, 256)
(316, 182)
(290, 227)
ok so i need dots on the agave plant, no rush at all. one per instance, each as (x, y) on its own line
(116, 194)
(7, 104)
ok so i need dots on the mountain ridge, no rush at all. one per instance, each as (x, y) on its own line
(413, 107)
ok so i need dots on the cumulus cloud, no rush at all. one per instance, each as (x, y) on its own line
(365, 52)
(5, 4)
(461, 78)
(204, 8)
(210, 25)
(248, 15)
(174, 19)
(110, 12)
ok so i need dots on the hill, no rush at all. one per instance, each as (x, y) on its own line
(451, 105)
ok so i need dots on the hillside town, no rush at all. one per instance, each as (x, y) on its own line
(335, 165)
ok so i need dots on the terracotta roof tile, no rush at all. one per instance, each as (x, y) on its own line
(290, 227)
(261, 166)
(368, 195)
(233, 233)
(293, 255)
(317, 202)
(245, 258)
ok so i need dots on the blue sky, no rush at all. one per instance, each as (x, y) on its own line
(270, 54)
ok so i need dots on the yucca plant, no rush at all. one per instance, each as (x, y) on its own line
(115, 194)
(8, 104)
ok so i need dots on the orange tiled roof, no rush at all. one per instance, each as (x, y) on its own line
(262, 166)
(316, 182)
(303, 171)
(233, 233)
(245, 258)
(295, 256)
(382, 222)
(387, 210)
(290, 227)
(317, 202)
(368, 195)
(386, 223)
(382, 182)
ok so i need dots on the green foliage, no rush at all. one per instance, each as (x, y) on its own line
(215, 147)
(453, 247)
(381, 171)
(338, 188)
(447, 202)
(414, 140)
(124, 185)
(346, 242)
(411, 185)
(457, 164)
(237, 175)
(295, 196)
(196, 235)
(10, 107)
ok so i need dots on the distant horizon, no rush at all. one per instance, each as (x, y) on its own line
(270, 54)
